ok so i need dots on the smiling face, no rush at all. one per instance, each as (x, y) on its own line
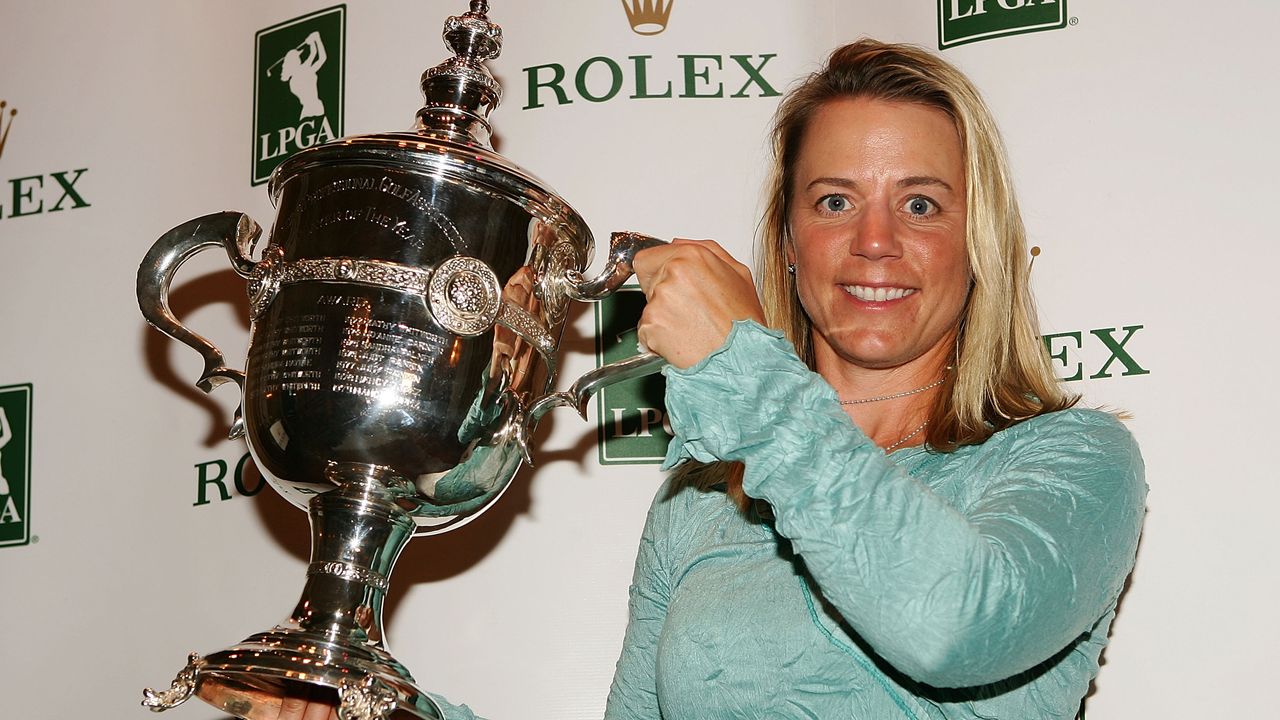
(877, 224)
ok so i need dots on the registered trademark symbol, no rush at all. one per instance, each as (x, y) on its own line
(1074, 21)
(35, 539)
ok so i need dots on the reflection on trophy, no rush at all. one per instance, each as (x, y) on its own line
(406, 313)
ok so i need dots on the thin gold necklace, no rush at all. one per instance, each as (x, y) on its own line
(905, 438)
(895, 396)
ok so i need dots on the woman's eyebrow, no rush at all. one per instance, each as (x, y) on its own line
(836, 181)
(919, 180)
(912, 181)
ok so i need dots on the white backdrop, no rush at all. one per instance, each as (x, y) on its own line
(1142, 136)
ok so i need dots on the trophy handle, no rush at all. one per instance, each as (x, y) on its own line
(236, 233)
(623, 247)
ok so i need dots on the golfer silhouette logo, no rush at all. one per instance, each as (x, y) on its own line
(5, 436)
(300, 68)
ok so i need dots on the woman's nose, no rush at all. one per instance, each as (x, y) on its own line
(874, 234)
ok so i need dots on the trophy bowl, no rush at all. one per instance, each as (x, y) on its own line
(406, 313)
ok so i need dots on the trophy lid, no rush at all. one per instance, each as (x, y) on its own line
(451, 133)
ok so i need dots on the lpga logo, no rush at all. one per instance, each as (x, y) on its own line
(633, 424)
(298, 87)
(966, 21)
(15, 465)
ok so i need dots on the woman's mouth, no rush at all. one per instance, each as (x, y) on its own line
(877, 294)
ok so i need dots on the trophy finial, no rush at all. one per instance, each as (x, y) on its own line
(459, 92)
(471, 36)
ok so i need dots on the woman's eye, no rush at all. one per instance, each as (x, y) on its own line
(921, 206)
(834, 203)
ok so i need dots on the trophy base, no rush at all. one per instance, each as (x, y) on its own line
(330, 651)
(254, 678)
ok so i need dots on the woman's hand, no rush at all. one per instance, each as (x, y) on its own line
(695, 291)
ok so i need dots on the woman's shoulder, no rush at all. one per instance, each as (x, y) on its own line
(1066, 431)
(1079, 442)
(1087, 455)
(1071, 428)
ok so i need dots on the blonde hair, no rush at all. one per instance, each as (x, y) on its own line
(1002, 373)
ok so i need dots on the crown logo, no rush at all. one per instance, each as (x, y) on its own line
(4, 127)
(648, 17)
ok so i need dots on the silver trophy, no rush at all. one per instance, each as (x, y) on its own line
(406, 313)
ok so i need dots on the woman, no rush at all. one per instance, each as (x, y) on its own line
(924, 526)
(887, 508)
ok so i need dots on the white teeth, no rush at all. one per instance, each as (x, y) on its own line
(876, 294)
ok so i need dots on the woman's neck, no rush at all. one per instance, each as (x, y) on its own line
(891, 405)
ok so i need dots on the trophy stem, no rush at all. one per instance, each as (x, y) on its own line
(357, 534)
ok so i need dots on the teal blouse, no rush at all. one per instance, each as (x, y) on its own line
(974, 584)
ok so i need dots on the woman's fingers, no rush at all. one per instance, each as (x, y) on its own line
(305, 708)
(695, 290)
(716, 249)
(292, 708)
(320, 711)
